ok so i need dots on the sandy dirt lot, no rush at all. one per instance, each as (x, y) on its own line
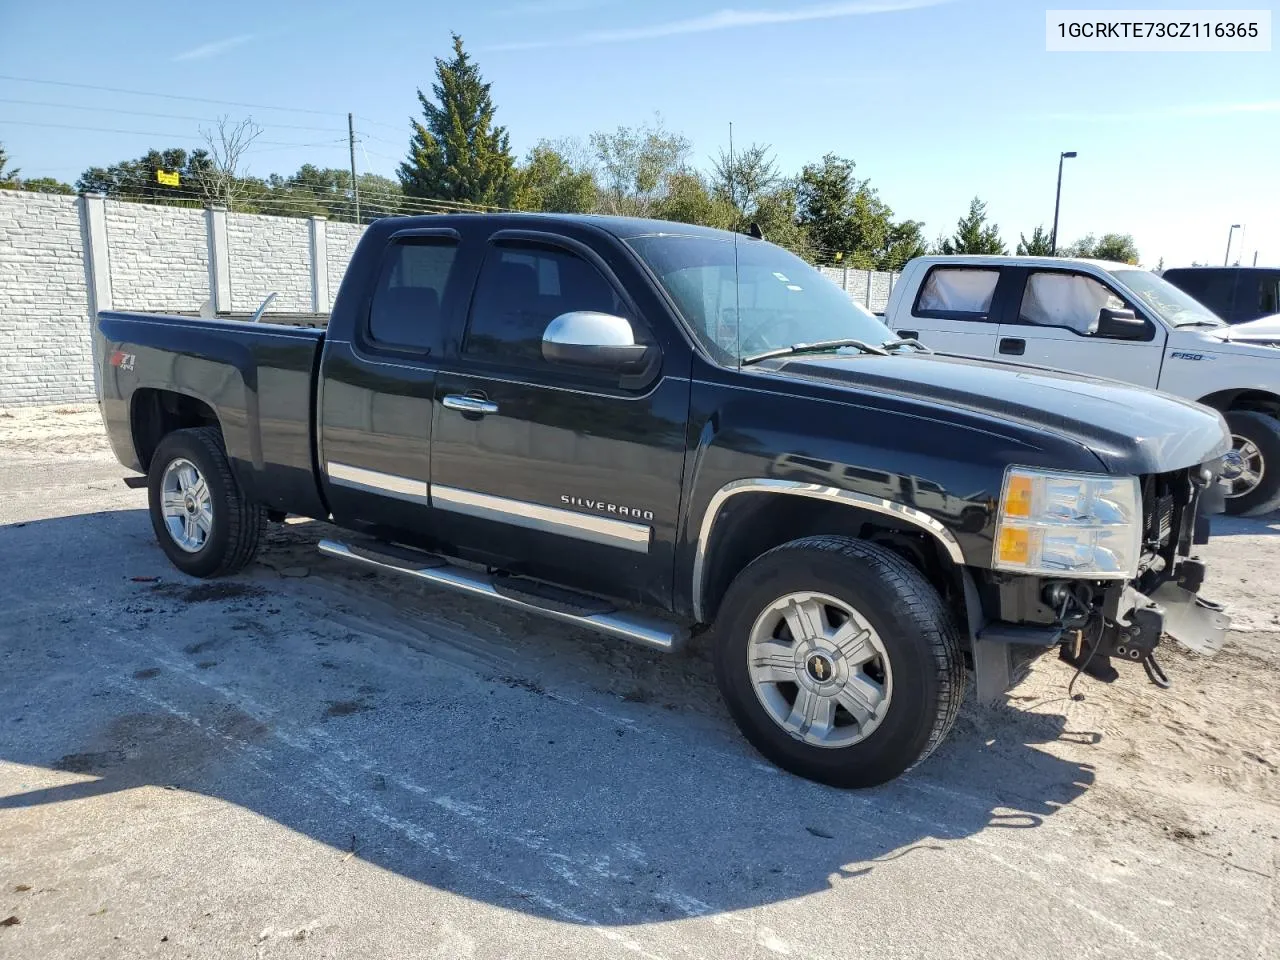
(308, 760)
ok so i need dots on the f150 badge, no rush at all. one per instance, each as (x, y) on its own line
(603, 506)
(1183, 355)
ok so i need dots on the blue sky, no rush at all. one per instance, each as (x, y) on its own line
(936, 101)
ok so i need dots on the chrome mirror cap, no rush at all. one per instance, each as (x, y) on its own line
(592, 339)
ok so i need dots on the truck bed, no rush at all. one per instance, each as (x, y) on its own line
(258, 377)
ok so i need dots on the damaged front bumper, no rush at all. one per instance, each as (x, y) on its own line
(1095, 623)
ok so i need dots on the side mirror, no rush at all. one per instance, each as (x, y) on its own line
(591, 339)
(1120, 325)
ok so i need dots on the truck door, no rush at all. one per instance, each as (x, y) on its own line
(1052, 321)
(566, 474)
(951, 311)
(377, 389)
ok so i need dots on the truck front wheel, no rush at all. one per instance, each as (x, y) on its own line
(1253, 466)
(202, 520)
(838, 660)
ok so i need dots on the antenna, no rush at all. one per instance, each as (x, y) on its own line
(737, 295)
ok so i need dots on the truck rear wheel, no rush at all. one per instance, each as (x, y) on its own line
(1255, 459)
(202, 520)
(838, 660)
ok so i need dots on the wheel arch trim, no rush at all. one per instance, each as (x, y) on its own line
(814, 491)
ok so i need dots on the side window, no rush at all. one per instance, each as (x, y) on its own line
(1269, 294)
(957, 293)
(405, 311)
(1071, 300)
(521, 289)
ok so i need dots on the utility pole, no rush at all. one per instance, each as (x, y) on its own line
(1057, 202)
(1227, 256)
(351, 144)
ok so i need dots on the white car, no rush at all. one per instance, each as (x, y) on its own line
(1108, 320)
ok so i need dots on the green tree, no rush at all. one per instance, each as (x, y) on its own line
(136, 179)
(688, 198)
(8, 175)
(973, 234)
(44, 185)
(549, 181)
(1038, 246)
(636, 165)
(846, 220)
(1117, 247)
(746, 178)
(456, 152)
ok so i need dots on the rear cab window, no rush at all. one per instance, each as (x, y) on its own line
(957, 293)
(405, 310)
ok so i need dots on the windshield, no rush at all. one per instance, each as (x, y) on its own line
(775, 300)
(1171, 304)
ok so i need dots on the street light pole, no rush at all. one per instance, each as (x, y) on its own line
(1057, 202)
(1227, 256)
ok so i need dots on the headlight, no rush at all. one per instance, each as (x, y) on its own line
(1069, 524)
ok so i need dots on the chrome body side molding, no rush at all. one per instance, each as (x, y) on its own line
(813, 491)
(534, 516)
(388, 484)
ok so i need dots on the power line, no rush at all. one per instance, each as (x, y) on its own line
(141, 133)
(145, 113)
(169, 96)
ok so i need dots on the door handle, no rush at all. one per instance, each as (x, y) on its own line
(1013, 345)
(909, 334)
(465, 404)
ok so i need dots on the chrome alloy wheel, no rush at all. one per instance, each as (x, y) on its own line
(819, 669)
(1244, 466)
(186, 505)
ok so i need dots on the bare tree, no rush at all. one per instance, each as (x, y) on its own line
(227, 143)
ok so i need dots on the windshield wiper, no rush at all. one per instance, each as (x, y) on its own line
(820, 347)
(906, 342)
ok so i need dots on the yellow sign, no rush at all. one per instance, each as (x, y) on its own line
(167, 178)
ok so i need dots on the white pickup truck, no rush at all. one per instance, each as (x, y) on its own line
(1109, 320)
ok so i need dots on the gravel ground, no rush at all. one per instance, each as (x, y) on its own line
(307, 760)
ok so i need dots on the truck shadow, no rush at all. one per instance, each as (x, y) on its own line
(509, 782)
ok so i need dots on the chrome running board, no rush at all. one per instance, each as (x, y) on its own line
(647, 631)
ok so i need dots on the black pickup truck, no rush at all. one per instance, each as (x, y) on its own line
(657, 431)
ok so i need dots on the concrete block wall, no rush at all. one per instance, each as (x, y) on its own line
(159, 257)
(870, 288)
(63, 258)
(266, 255)
(45, 353)
(342, 239)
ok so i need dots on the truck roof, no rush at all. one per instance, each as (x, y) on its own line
(1001, 261)
(624, 228)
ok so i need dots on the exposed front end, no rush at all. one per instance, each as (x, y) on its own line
(1101, 566)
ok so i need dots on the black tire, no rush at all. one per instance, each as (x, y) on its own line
(1263, 431)
(237, 524)
(914, 625)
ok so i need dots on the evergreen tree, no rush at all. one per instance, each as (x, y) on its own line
(1038, 246)
(456, 152)
(8, 175)
(973, 235)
